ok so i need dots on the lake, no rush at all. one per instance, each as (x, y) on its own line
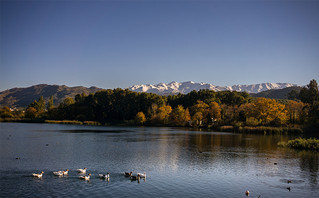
(178, 162)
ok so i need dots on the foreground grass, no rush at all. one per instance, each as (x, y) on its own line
(300, 143)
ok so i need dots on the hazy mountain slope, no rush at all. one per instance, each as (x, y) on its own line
(22, 97)
(277, 93)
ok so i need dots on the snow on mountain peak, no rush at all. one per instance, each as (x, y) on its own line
(186, 87)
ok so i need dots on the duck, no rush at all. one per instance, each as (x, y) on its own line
(66, 172)
(58, 173)
(86, 177)
(142, 175)
(61, 173)
(38, 175)
(103, 176)
(289, 181)
(135, 177)
(247, 193)
(82, 170)
(128, 174)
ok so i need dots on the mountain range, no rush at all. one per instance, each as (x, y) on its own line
(22, 97)
(186, 87)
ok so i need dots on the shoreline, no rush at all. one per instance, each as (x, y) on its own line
(266, 130)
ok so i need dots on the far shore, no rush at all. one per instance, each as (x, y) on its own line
(222, 128)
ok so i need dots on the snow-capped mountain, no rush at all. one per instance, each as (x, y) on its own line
(186, 87)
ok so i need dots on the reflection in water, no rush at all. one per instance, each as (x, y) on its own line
(309, 164)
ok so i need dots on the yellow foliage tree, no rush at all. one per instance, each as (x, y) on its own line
(180, 116)
(200, 112)
(214, 111)
(31, 112)
(197, 119)
(267, 111)
(162, 115)
(140, 118)
(295, 111)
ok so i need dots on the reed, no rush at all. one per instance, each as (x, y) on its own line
(301, 143)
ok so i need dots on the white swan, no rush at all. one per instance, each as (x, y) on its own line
(103, 176)
(82, 170)
(86, 177)
(141, 175)
(38, 175)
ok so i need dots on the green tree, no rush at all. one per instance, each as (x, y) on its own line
(309, 94)
(50, 104)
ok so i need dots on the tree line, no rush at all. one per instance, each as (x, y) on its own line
(202, 108)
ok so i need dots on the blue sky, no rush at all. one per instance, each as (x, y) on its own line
(112, 44)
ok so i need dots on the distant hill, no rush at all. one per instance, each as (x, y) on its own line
(276, 93)
(22, 97)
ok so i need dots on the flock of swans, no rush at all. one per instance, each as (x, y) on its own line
(87, 177)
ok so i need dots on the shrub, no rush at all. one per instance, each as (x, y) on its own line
(251, 121)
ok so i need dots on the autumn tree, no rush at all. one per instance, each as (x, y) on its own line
(200, 112)
(140, 118)
(162, 115)
(5, 112)
(295, 111)
(214, 111)
(180, 116)
(268, 111)
(31, 112)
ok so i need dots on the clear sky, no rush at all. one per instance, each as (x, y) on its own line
(112, 44)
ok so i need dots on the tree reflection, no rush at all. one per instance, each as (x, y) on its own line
(309, 162)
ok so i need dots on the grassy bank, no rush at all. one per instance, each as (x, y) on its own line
(300, 143)
(94, 123)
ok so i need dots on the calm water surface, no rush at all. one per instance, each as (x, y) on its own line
(178, 163)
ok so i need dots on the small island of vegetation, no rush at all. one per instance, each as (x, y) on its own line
(224, 110)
